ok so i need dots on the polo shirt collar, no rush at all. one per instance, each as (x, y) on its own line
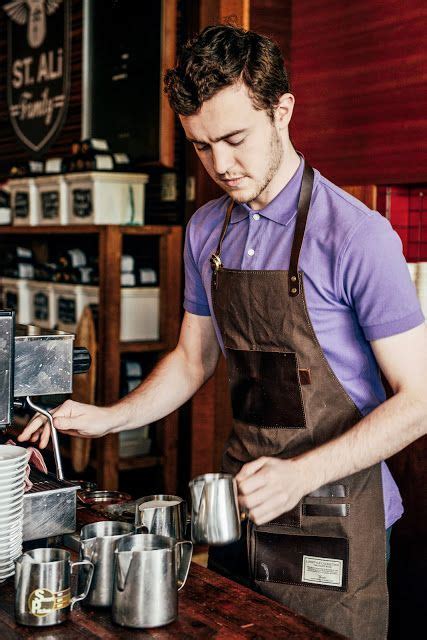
(282, 208)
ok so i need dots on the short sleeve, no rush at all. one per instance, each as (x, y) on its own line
(195, 299)
(375, 280)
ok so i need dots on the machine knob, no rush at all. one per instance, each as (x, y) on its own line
(81, 360)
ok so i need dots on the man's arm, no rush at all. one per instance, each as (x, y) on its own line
(173, 381)
(269, 486)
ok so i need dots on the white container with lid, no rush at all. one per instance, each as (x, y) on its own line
(42, 304)
(139, 314)
(70, 300)
(16, 295)
(101, 197)
(24, 201)
(52, 196)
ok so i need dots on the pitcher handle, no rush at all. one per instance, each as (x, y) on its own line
(184, 565)
(82, 596)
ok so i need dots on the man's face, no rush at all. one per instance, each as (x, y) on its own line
(238, 145)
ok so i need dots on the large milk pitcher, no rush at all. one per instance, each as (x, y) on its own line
(149, 573)
(215, 516)
(97, 544)
(43, 586)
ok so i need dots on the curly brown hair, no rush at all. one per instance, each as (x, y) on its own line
(217, 58)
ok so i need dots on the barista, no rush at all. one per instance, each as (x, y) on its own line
(306, 292)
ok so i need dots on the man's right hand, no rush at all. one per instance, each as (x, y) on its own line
(74, 419)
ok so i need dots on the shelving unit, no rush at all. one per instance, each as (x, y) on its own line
(110, 238)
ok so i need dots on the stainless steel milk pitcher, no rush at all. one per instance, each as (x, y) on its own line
(149, 572)
(162, 515)
(215, 516)
(43, 586)
(97, 544)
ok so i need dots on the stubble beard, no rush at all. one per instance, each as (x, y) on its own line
(276, 155)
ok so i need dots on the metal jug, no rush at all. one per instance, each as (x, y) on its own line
(42, 586)
(149, 572)
(215, 516)
(162, 515)
(97, 544)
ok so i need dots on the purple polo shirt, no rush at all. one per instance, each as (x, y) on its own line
(356, 281)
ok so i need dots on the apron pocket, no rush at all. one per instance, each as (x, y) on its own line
(265, 389)
(301, 560)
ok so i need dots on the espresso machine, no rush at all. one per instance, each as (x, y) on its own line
(37, 362)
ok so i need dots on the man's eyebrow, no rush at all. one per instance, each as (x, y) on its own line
(227, 135)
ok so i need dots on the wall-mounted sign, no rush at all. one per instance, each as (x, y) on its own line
(38, 79)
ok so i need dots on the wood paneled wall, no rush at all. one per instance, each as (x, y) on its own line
(12, 151)
(359, 73)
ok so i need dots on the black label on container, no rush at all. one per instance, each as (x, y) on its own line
(82, 203)
(41, 306)
(50, 205)
(22, 204)
(67, 310)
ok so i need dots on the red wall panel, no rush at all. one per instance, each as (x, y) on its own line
(359, 74)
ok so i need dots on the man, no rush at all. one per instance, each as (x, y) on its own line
(307, 293)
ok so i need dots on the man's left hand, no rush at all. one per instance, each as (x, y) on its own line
(269, 487)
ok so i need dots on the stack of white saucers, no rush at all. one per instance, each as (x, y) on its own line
(13, 462)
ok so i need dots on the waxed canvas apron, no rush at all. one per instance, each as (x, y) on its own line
(325, 558)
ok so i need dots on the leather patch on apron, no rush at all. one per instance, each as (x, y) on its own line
(259, 382)
(311, 561)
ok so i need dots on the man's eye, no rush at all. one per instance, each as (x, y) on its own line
(202, 147)
(237, 143)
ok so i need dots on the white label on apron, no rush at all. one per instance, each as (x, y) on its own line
(327, 571)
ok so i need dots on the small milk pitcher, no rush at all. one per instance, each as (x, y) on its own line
(162, 515)
(215, 516)
(148, 575)
(42, 586)
(97, 544)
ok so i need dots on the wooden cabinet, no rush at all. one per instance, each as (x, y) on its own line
(110, 240)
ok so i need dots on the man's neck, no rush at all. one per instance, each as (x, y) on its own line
(287, 168)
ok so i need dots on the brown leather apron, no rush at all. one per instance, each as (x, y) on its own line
(326, 558)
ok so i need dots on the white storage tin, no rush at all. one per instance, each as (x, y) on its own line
(101, 197)
(42, 304)
(24, 201)
(16, 295)
(52, 197)
(70, 300)
(139, 314)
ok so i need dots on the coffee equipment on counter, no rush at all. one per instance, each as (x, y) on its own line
(215, 516)
(43, 586)
(37, 362)
(149, 572)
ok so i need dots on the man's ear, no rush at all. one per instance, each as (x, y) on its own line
(283, 110)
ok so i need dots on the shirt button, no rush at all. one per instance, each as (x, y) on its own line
(251, 252)
(256, 216)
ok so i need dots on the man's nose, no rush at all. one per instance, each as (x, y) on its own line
(222, 159)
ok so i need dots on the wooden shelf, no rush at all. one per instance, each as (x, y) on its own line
(110, 240)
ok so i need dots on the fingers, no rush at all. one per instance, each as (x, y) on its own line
(44, 437)
(36, 423)
(250, 468)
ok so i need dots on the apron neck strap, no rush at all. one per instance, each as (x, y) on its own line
(294, 285)
(216, 257)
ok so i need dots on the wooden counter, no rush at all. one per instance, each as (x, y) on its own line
(210, 606)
